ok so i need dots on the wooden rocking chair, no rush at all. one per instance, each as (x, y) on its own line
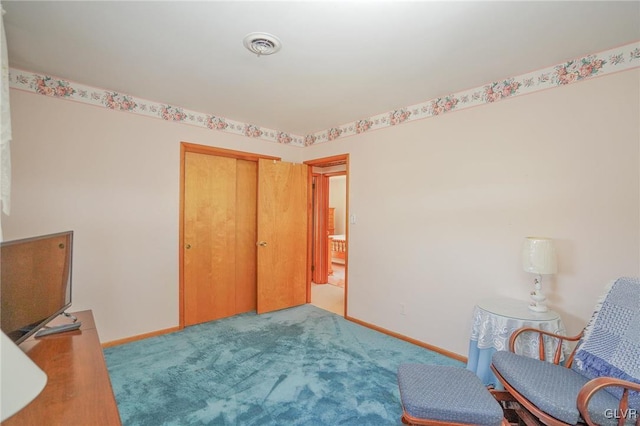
(599, 384)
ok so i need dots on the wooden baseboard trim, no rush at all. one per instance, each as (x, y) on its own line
(140, 337)
(409, 339)
(349, 318)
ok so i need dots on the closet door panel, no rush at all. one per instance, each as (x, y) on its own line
(282, 231)
(210, 237)
(246, 199)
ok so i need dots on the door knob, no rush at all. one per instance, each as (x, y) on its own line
(188, 246)
(262, 243)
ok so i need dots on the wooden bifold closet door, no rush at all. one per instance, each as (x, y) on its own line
(220, 237)
(244, 234)
(282, 233)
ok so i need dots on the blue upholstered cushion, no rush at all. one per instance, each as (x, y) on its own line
(553, 388)
(445, 393)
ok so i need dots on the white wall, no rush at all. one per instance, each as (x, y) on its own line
(443, 205)
(113, 178)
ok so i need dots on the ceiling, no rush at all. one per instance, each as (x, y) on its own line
(340, 61)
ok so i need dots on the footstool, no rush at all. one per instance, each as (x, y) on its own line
(437, 394)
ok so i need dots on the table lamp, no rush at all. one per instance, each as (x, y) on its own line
(539, 257)
(21, 380)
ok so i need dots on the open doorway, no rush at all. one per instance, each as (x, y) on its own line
(328, 248)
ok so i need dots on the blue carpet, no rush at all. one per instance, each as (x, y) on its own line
(299, 366)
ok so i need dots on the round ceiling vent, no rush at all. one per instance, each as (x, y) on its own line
(262, 43)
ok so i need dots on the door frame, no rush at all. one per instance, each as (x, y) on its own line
(319, 247)
(207, 150)
(346, 219)
(335, 160)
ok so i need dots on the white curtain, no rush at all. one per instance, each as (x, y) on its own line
(5, 128)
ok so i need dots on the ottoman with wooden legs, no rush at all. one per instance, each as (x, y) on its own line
(444, 395)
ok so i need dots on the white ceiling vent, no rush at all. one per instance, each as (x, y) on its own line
(262, 43)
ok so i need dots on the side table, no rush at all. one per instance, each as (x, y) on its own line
(494, 320)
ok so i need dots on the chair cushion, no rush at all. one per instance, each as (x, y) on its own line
(446, 393)
(553, 388)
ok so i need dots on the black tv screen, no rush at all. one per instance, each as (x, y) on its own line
(35, 282)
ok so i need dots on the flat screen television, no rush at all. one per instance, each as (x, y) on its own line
(35, 282)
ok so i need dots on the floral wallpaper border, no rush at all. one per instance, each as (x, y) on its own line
(612, 60)
(63, 89)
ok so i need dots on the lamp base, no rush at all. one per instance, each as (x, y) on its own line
(538, 304)
(538, 307)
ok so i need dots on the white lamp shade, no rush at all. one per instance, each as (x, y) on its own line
(21, 380)
(539, 256)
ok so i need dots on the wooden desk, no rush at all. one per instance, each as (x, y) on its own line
(78, 389)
